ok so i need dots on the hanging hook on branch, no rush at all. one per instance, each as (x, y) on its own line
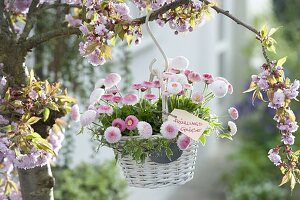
(156, 43)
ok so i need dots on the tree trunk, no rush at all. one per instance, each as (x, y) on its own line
(36, 183)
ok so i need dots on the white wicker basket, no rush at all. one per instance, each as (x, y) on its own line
(155, 175)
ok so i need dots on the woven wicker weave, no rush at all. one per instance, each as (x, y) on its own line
(155, 175)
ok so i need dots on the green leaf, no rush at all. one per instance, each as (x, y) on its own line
(33, 135)
(202, 139)
(46, 114)
(33, 120)
(271, 48)
(293, 182)
(225, 136)
(253, 86)
(52, 106)
(91, 48)
(285, 179)
(7, 128)
(281, 61)
(273, 30)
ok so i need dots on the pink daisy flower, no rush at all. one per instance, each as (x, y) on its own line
(105, 109)
(187, 72)
(230, 88)
(167, 75)
(74, 113)
(169, 129)
(194, 77)
(99, 83)
(174, 87)
(136, 86)
(174, 70)
(207, 78)
(188, 86)
(112, 134)
(179, 62)
(219, 88)
(112, 91)
(156, 84)
(197, 97)
(150, 96)
(111, 80)
(107, 97)
(96, 95)
(147, 84)
(183, 142)
(119, 123)
(131, 122)
(234, 113)
(144, 129)
(117, 99)
(130, 99)
(88, 117)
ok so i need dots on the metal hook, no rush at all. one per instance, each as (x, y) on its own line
(156, 42)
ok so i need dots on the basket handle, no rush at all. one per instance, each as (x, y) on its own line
(154, 73)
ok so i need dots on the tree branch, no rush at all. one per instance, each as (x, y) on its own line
(10, 23)
(36, 40)
(178, 3)
(227, 14)
(30, 21)
(45, 7)
(161, 11)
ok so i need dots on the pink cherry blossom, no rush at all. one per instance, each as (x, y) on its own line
(119, 123)
(130, 99)
(233, 112)
(131, 122)
(112, 134)
(169, 129)
(33, 94)
(183, 142)
(144, 129)
(74, 113)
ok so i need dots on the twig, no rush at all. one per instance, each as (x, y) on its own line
(227, 14)
(160, 11)
(10, 23)
(44, 37)
(31, 20)
(265, 54)
(45, 7)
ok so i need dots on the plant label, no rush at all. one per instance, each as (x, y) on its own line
(188, 123)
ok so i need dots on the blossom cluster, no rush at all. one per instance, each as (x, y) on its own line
(114, 115)
(183, 19)
(21, 111)
(280, 92)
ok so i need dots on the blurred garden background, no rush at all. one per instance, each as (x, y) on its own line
(238, 170)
